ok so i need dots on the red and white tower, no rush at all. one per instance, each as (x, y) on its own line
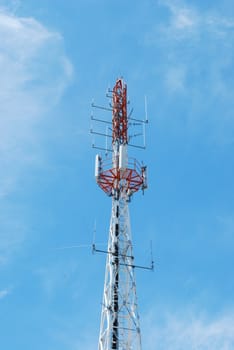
(120, 177)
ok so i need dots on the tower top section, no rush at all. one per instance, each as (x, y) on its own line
(120, 175)
(119, 113)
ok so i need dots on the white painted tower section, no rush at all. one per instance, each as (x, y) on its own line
(128, 336)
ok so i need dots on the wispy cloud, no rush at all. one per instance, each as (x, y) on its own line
(186, 20)
(195, 61)
(182, 331)
(34, 72)
(175, 78)
(4, 293)
(183, 19)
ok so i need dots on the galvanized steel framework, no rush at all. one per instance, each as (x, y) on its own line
(120, 178)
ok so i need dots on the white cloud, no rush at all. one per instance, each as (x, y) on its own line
(182, 17)
(189, 331)
(183, 21)
(34, 72)
(4, 293)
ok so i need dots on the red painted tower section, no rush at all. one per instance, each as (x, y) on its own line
(119, 118)
(120, 168)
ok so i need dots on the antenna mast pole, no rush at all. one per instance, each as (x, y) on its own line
(119, 178)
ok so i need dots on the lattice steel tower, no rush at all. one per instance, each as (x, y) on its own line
(120, 177)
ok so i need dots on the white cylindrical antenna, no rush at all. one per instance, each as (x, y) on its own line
(123, 157)
(98, 166)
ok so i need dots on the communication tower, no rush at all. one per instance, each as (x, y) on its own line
(119, 177)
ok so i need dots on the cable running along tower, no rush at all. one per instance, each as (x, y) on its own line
(119, 177)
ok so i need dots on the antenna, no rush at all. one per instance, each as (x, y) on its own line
(73, 246)
(131, 122)
(106, 153)
(151, 253)
(94, 237)
(146, 110)
(146, 121)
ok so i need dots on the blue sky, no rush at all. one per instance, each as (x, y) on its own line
(55, 56)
